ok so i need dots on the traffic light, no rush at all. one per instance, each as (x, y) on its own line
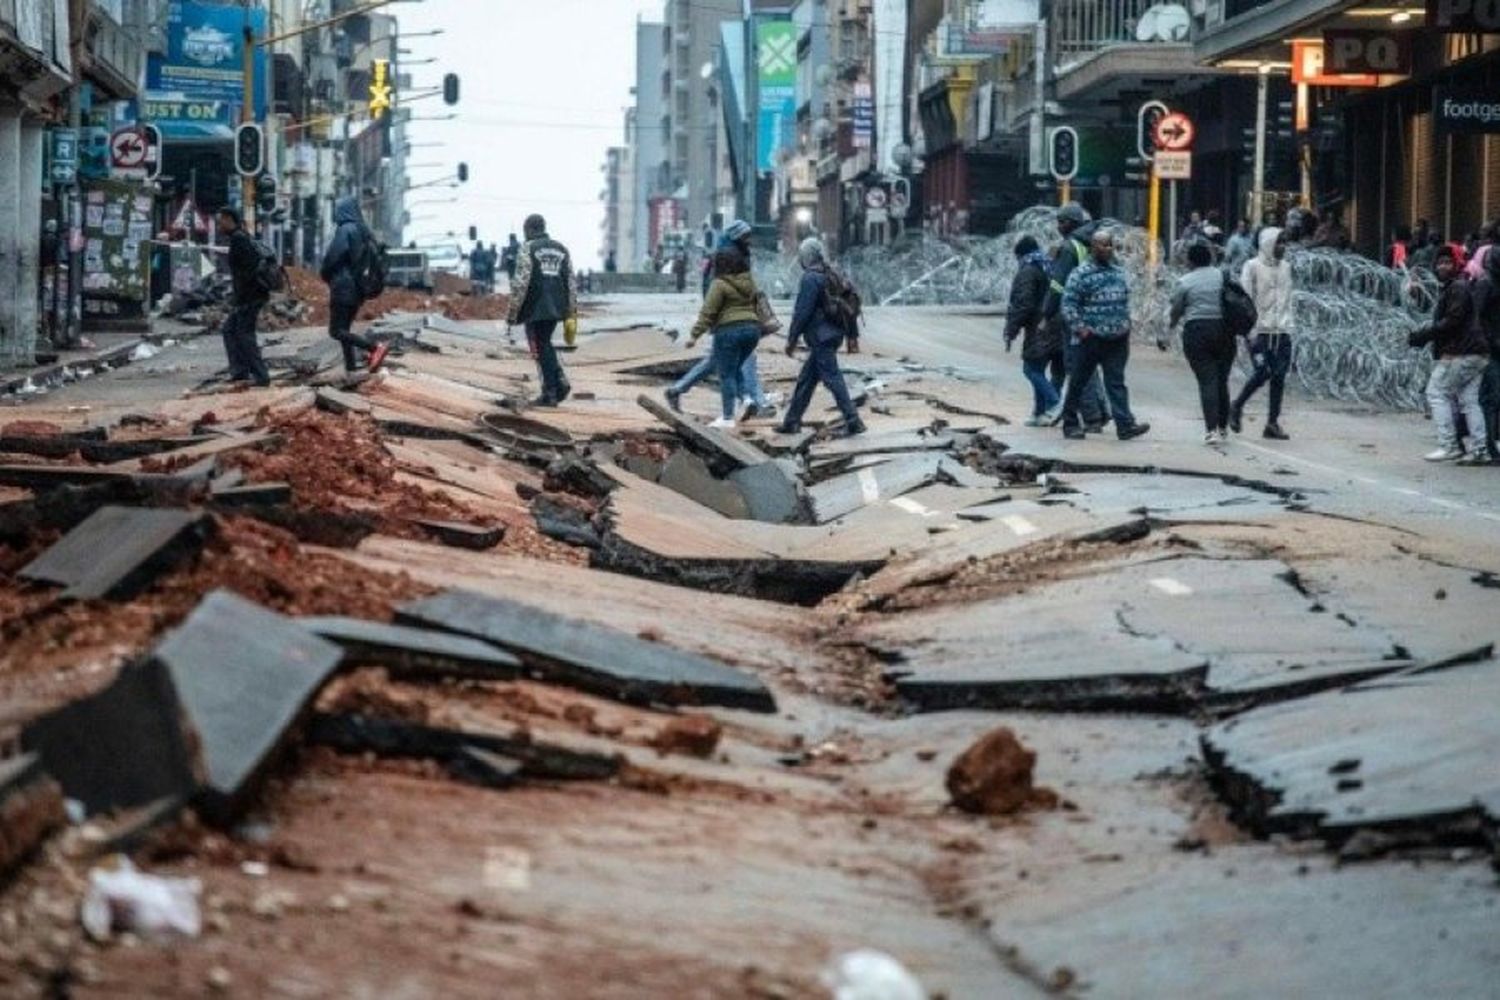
(265, 193)
(473, 232)
(463, 173)
(450, 88)
(249, 150)
(1062, 153)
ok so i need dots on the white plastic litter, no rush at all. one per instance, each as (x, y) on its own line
(868, 974)
(124, 899)
(144, 352)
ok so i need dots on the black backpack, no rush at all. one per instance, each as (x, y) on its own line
(270, 276)
(842, 304)
(1240, 315)
(371, 268)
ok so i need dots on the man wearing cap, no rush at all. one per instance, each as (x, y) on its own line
(238, 331)
(1077, 229)
(543, 294)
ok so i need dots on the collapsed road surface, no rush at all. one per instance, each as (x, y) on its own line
(419, 692)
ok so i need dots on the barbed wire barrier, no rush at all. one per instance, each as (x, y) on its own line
(1352, 313)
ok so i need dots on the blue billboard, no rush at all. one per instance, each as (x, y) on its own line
(194, 90)
(776, 65)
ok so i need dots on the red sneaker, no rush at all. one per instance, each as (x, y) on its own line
(377, 356)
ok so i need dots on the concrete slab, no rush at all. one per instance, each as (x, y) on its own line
(1165, 497)
(896, 441)
(591, 657)
(730, 447)
(770, 492)
(485, 768)
(687, 474)
(119, 551)
(336, 401)
(245, 675)
(845, 494)
(252, 495)
(415, 652)
(462, 536)
(128, 745)
(1411, 757)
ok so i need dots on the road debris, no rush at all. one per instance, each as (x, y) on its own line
(993, 777)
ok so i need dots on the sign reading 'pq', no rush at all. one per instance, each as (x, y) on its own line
(1354, 50)
(1464, 16)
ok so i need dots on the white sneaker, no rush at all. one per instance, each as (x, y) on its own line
(1444, 455)
(1053, 415)
(1040, 420)
(724, 424)
(1213, 437)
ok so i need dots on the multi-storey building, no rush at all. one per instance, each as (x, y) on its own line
(653, 203)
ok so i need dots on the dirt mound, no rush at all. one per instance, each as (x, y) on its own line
(993, 777)
(307, 287)
(692, 735)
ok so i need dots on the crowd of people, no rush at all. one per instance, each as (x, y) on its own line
(1072, 314)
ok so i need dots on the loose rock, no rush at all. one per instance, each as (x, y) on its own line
(993, 777)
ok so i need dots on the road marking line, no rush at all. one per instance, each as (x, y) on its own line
(869, 487)
(1171, 587)
(1019, 525)
(913, 507)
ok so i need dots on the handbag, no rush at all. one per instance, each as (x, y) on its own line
(765, 315)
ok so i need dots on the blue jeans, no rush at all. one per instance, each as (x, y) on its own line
(821, 366)
(734, 345)
(749, 378)
(1273, 359)
(1042, 389)
(1091, 400)
(1093, 356)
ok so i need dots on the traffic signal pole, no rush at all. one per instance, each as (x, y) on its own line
(1153, 215)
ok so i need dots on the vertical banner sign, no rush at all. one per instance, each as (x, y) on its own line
(863, 115)
(776, 61)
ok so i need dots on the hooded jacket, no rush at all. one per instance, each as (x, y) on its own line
(1452, 332)
(1269, 284)
(244, 260)
(545, 288)
(730, 300)
(1073, 251)
(1028, 297)
(1486, 292)
(340, 261)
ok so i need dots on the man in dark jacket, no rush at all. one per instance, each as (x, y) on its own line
(238, 331)
(543, 294)
(1096, 306)
(810, 321)
(511, 257)
(1487, 314)
(348, 253)
(1459, 347)
(1077, 230)
(1040, 347)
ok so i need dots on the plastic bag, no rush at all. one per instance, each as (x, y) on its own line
(124, 899)
(868, 974)
(570, 330)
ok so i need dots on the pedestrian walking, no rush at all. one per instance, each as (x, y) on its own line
(1267, 278)
(248, 298)
(1487, 311)
(1041, 348)
(729, 311)
(679, 270)
(1198, 304)
(1397, 254)
(816, 320)
(756, 402)
(346, 264)
(543, 293)
(1461, 354)
(510, 258)
(1238, 249)
(1096, 307)
(1077, 229)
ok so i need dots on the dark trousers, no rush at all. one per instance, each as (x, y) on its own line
(733, 344)
(1090, 358)
(1091, 398)
(1057, 370)
(1489, 399)
(341, 328)
(1273, 359)
(554, 382)
(240, 345)
(821, 366)
(1210, 351)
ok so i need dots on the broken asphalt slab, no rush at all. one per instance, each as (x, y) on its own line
(414, 652)
(1409, 758)
(119, 551)
(734, 450)
(841, 495)
(590, 657)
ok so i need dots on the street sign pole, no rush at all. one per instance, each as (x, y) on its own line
(1258, 189)
(1171, 226)
(1065, 193)
(247, 116)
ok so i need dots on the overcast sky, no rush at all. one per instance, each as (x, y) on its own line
(545, 85)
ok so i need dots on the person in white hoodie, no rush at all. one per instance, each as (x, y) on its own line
(1267, 277)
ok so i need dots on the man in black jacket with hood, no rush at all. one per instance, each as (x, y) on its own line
(344, 262)
(1460, 355)
(238, 331)
(543, 294)
(1041, 347)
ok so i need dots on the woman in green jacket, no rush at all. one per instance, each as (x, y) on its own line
(729, 310)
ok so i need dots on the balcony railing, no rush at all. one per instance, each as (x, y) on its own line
(1081, 28)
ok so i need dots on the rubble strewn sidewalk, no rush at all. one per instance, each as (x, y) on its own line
(420, 683)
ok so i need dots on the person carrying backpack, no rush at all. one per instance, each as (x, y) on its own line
(826, 315)
(1267, 278)
(1041, 347)
(543, 294)
(250, 296)
(348, 263)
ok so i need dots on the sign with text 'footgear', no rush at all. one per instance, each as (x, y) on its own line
(1458, 109)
